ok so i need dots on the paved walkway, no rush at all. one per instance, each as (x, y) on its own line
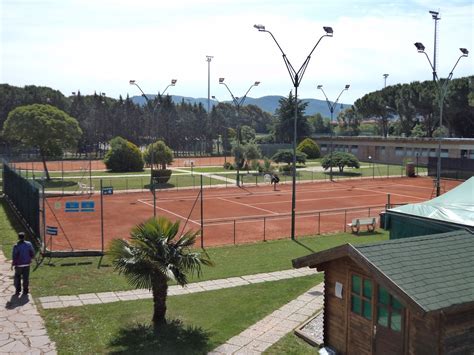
(22, 330)
(266, 332)
(49, 302)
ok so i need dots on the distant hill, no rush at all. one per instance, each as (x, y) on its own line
(265, 103)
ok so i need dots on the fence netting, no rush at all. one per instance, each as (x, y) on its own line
(24, 197)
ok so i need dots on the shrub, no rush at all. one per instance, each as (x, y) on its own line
(228, 166)
(161, 176)
(267, 165)
(340, 160)
(286, 156)
(123, 156)
(310, 148)
(285, 169)
(162, 154)
(255, 165)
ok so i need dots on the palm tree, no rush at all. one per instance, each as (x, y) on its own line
(154, 256)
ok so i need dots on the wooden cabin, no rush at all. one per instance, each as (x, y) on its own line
(404, 296)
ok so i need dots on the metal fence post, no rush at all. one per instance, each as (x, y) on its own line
(234, 231)
(319, 223)
(264, 228)
(101, 217)
(345, 220)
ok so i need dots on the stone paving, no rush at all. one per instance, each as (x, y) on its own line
(107, 297)
(263, 334)
(22, 329)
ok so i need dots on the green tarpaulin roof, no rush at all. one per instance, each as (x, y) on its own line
(455, 206)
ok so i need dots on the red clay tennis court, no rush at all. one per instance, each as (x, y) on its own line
(230, 215)
(78, 165)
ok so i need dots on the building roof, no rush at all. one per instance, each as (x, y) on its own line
(429, 273)
(454, 206)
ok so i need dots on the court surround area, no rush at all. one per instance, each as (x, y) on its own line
(229, 215)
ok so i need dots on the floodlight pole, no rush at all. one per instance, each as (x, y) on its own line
(442, 89)
(296, 77)
(238, 104)
(385, 80)
(152, 154)
(208, 60)
(331, 109)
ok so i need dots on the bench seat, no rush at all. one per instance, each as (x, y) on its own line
(356, 223)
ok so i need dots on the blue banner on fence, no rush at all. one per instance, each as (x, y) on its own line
(107, 191)
(87, 206)
(71, 206)
(50, 230)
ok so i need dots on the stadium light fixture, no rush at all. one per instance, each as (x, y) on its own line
(152, 184)
(420, 47)
(442, 89)
(238, 104)
(296, 77)
(331, 107)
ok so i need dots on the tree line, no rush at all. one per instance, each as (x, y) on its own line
(412, 110)
(183, 126)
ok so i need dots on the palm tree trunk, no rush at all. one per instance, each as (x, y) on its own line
(160, 292)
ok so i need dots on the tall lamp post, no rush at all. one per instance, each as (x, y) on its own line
(296, 77)
(208, 60)
(152, 185)
(238, 104)
(331, 109)
(442, 89)
(385, 76)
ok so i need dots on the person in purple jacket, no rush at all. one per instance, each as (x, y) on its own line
(22, 255)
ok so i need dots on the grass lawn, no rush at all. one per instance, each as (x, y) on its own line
(206, 320)
(127, 182)
(67, 276)
(290, 344)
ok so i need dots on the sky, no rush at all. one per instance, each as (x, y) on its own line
(99, 45)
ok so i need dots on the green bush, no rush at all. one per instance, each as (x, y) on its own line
(228, 166)
(162, 176)
(286, 156)
(285, 169)
(340, 160)
(123, 156)
(310, 148)
(162, 154)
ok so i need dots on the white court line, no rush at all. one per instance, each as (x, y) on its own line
(391, 193)
(247, 205)
(317, 199)
(168, 211)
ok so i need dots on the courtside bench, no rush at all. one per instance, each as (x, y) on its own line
(356, 223)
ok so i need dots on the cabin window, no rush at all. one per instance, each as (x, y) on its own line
(361, 296)
(389, 310)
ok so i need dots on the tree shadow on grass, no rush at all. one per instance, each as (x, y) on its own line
(337, 173)
(172, 338)
(57, 183)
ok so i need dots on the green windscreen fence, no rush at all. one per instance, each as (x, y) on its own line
(24, 196)
(405, 226)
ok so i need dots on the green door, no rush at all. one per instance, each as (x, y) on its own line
(389, 324)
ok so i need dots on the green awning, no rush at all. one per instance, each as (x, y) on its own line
(455, 206)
